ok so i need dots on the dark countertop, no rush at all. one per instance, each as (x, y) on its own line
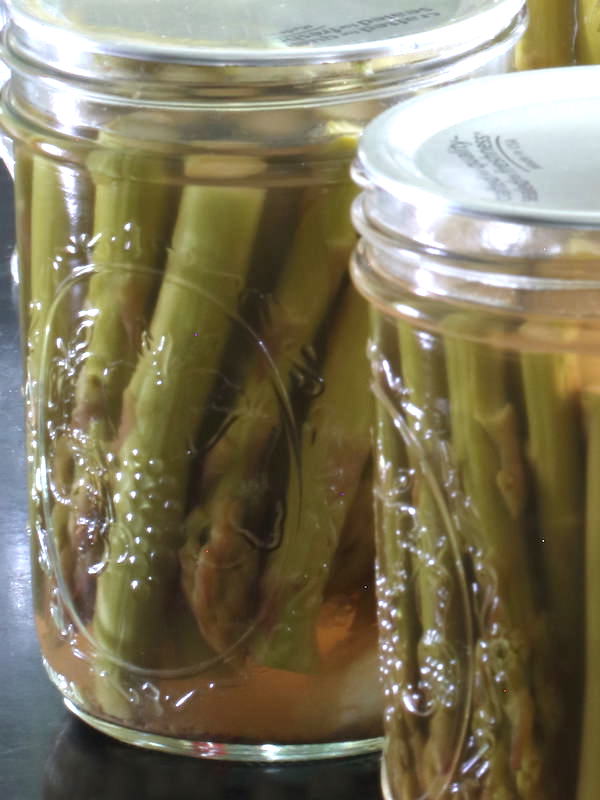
(45, 753)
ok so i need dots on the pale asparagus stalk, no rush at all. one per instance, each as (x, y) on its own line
(334, 448)
(162, 409)
(549, 40)
(551, 382)
(589, 766)
(587, 42)
(223, 563)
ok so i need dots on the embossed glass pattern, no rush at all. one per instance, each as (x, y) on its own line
(485, 356)
(196, 379)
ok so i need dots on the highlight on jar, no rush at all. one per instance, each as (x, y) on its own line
(197, 386)
(479, 253)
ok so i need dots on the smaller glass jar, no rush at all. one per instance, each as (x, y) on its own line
(200, 487)
(480, 254)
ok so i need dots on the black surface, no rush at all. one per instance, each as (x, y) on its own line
(45, 754)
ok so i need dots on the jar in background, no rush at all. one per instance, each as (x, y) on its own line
(197, 387)
(480, 254)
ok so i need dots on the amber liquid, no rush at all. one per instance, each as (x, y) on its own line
(246, 704)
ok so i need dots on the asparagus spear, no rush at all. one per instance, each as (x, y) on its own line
(162, 409)
(134, 211)
(60, 218)
(133, 214)
(56, 190)
(439, 579)
(234, 470)
(334, 448)
(550, 35)
(282, 206)
(551, 383)
(486, 450)
(587, 41)
(589, 767)
(399, 628)
(354, 558)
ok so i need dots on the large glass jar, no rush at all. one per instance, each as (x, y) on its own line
(480, 253)
(197, 389)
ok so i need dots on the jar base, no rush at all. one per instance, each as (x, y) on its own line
(226, 751)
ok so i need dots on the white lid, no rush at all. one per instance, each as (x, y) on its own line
(243, 31)
(523, 148)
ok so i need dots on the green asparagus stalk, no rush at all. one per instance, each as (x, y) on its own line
(282, 207)
(486, 448)
(135, 174)
(56, 189)
(133, 215)
(398, 620)
(334, 448)
(441, 599)
(236, 469)
(162, 409)
(551, 383)
(550, 36)
(399, 624)
(589, 767)
(352, 568)
(60, 217)
(50, 229)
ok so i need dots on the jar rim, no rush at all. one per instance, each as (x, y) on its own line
(435, 169)
(148, 68)
(457, 23)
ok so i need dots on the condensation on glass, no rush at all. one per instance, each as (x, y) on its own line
(480, 254)
(196, 383)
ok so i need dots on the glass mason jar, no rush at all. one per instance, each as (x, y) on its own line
(480, 254)
(197, 388)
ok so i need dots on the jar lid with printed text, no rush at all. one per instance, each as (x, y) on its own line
(506, 165)
(338, 47)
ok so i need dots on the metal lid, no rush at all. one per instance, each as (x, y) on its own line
(251, 31)
(487, 163)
